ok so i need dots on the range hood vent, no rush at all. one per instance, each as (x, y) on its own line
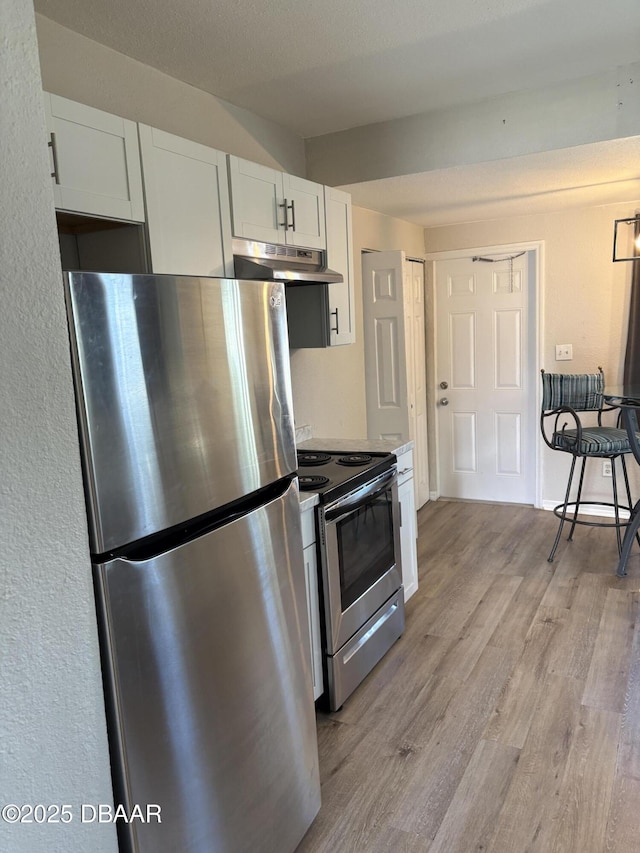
(272, 262)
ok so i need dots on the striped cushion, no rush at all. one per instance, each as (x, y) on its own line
(596, 441)
(581, 391)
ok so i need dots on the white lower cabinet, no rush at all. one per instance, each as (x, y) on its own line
(408, 524)
(313, 600)
(187, 195)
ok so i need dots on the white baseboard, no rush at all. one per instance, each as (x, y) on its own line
(410, 590)
(592, 509)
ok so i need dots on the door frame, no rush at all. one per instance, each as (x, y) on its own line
(536, 323)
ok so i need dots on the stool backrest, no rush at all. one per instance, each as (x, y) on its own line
(581, 391)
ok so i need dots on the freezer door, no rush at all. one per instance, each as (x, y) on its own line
(184, 396)
(207, 658)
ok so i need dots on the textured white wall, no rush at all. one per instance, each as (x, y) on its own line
(53, 746)
(585, 296)
(81, 69)
(328, 385)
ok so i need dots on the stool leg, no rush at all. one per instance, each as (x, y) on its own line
(632, 531)
(564, 512)
(626, 483)
(578, 498)
(616, 508)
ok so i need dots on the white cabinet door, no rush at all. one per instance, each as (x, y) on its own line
(340, 258)
(408, 536)
(257, 204)
(187, 196)
(304, 201)
(272, 207)
(95, 161)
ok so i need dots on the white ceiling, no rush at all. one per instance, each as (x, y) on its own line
(601, 173)
(319, 66)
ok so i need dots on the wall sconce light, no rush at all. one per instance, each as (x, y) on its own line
(626, 239)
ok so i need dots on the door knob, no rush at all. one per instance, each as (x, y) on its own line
(444, 385)
(444, 402)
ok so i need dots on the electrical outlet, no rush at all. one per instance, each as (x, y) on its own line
(606, 468)
(564, 352)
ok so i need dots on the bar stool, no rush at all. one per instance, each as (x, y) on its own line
(565, 395)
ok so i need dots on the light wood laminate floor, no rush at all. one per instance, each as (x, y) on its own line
(507, 717)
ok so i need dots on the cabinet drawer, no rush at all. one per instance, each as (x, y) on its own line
(405, 466)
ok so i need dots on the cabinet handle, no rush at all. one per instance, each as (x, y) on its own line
(337, 328)
(284, 224)
(400, 513)
(292, 208)
(54, 152)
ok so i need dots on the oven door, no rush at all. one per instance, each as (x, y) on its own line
(361, 559)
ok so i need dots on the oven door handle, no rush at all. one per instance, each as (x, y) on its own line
(335, 515)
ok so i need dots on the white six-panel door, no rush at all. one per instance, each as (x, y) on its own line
(416, 319)
(385, 351)
(484, 414)
(395, 359)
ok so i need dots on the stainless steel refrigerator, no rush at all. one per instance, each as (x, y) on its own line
(186, 428)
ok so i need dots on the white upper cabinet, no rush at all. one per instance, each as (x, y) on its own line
(95, 161)
(340, 259)
(304, 202)
(187, 197)
(272, 207)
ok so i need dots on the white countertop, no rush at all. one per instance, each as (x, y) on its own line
(356, 445)
(308, 500)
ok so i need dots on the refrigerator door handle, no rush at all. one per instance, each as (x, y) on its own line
(152, 546)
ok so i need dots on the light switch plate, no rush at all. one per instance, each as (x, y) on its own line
(564, 352)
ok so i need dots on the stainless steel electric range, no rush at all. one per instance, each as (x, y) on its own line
(360, 575)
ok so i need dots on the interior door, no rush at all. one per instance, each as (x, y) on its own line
(484, 394)
(418, 409)
(385, 350)
(395, 356)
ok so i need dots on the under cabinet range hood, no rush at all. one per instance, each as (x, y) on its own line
(271, 262)
(308, 286)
